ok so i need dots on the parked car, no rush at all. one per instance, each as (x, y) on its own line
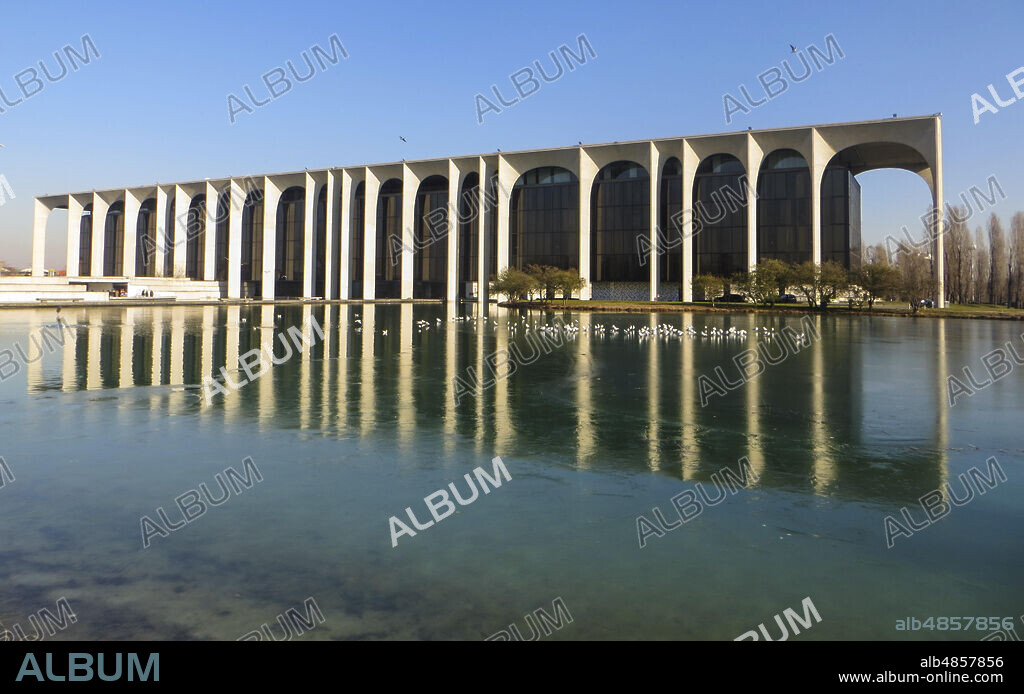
(731, 299)
(927, 303)
(787, 298)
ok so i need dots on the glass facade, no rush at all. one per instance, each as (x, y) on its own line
(720, 216)
(291, 217)
(221, 250)
(85, 242)
(169, 244)
(357, 243)
(469, 234)
(670, 220)
(195, 238)
(840, 217)
(320, 245)
(544, 219)
(620, 215)
(784, 208)
(113, 241)
(430, 240)
(491, 227)
(145, 240)
(252, 244)
(389, 241)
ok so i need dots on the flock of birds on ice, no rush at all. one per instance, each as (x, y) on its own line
(663, 331)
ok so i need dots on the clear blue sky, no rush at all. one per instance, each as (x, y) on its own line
(154, 107)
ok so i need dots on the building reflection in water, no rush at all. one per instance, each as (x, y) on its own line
(809, 424)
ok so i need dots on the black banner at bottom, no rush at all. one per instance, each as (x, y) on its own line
(184, 664)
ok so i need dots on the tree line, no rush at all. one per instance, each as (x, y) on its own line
(986, 267)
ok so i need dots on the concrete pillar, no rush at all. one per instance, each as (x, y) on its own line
(42, 214)
(163, 234)
(99, 227)
(819, 160)
(410, 186)
(309, 236)
(132, 205)
(74, 227)
(689, 162)
(182, 200)
(753, 167)
(453, 231)
(271, 197)
(370, 236)
(238, 194)
(483, 210)
(330, 249)
(588, 173)
(937, 230)
(209, 270)
(507, 177)
(344, 214)
(654, 254)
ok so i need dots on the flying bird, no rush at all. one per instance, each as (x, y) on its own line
(402, 138)
(792, 48)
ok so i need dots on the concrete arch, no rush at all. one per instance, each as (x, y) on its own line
(620, 216)
(289, 237)
(251, 243)
(389, 246)
(145, 239)
(320, 225)
(721, 244)
(356, 238)
(113, 241)
(430, 238)
(783, 199)
(543, 219)
(85, 244)
(195, 237)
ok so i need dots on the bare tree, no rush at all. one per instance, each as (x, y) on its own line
(981, 268)
(1017, 260)
(957, 251)
(997, 255)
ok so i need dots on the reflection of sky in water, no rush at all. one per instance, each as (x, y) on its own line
(595, 433)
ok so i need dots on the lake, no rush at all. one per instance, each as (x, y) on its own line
(602, 419)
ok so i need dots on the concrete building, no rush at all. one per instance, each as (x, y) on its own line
(638, 219)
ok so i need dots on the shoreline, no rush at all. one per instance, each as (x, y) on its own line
(802, 309)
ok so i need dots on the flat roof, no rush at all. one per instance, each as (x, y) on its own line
(510, 152)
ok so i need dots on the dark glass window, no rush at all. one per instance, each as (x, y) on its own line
(670, 218)
(320, 247)
(389, 241)
(784, 208)
(195, 238)
(252, 240)
(113, 241)
(291, 213)
(169, 236)
(620, 215)
(544, 219)
(223, 228)
(85, 242)
(430, 240)
(145, 240)
(469, 236)
(720, 216)
(840, 217)
(491, 226)
(357, 243)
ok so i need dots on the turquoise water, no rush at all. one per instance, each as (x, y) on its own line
(606, 426)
